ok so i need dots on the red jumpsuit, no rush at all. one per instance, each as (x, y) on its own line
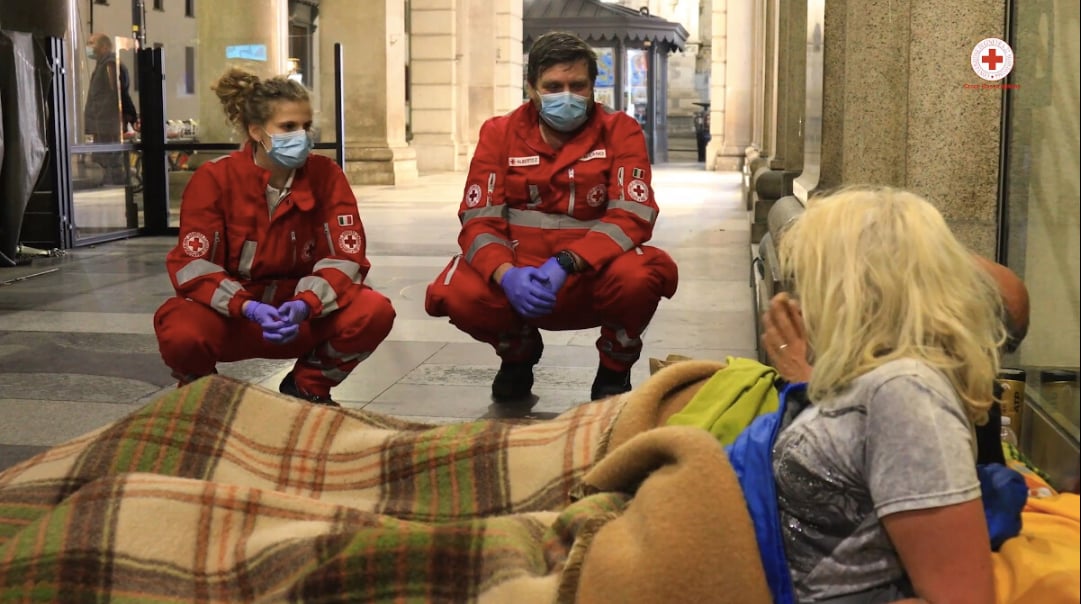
(524, 202)
(231, 250)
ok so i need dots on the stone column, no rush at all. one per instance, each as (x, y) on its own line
(772, 173)
(438, 63)
(731, 92)
(896, 110)
(791, 80)
(373, 45)
(252, 23)
(509, 74)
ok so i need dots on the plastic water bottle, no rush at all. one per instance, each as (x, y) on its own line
(1007, 432)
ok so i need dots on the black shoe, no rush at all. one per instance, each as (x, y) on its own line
(289, 387)
(609, 383)
(514, 382)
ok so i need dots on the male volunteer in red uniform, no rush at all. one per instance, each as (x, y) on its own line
(557, 207)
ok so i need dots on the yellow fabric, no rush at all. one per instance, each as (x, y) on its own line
(714, 408)
(1042, 565)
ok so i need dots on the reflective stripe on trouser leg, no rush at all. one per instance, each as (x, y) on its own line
(619, 350)
(324, 368)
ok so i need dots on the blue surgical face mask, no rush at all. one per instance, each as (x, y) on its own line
(564, 111)
(289, 149)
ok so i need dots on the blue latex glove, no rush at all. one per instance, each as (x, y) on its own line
(275, 329)
(554, 274)
(294, 311)
(527, 289)
(1004, 494)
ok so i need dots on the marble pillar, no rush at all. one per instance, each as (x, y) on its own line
(373, 45)
(255, 24)
(896, 110)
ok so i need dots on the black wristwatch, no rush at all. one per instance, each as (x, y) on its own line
(566, 262)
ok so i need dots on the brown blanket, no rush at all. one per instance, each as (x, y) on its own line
(225, 492)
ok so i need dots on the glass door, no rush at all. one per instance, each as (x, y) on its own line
(106, 191)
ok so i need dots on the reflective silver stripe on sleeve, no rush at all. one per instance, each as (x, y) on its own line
(543, 220)
(640, 210)
(322, 290)
(247, 257)
(453, 268)
(616, 234)
(347, 267)
(482, 240)
(223, 295)
(485, 212)
(196, 269)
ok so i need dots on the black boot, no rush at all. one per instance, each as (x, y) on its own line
(609, 382)
(289, 387)
(514, 382)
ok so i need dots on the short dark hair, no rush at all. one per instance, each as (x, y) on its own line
(558, 47)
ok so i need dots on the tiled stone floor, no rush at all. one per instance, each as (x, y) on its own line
(77, 348)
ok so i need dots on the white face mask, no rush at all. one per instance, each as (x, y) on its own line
(90, 53)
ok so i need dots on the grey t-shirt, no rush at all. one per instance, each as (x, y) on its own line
(896, 439)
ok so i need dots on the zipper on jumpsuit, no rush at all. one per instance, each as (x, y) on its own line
(293, 240)
(570, 205)
(214, 248)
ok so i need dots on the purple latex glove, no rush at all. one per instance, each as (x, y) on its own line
(527, 289)
(275, 330)
(554, 274)
(294, 311)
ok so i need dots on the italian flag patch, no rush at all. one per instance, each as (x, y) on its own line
(345, 220)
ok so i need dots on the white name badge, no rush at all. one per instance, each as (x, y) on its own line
(595, 154)
(533, 160)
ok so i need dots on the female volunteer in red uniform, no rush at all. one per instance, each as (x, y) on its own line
(556, 213)
(271, 257)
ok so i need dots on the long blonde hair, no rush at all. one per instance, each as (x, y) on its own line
(879, 277)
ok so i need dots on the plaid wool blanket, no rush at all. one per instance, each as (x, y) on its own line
(225, 492)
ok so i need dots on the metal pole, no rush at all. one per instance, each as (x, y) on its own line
(339, 104)
(138, 22)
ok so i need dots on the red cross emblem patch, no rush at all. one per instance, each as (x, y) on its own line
(472, 196)
(349, 241)
(597, 196)
(196, 245)
(638, 190)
